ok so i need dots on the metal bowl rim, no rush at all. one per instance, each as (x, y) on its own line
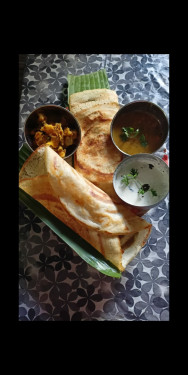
(61, 108)
(137, 156)
(134, 102)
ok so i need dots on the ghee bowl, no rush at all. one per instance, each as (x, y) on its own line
(54, 113)
(152, 171)
(151, 121)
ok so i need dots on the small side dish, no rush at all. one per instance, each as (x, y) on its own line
(142, 180)
(54, 135)
(54, 126)
(139, 127)
(141, 132)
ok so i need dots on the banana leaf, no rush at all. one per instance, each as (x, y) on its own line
(96, 80)
(78, 244)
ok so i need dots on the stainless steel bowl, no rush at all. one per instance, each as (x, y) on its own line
(141, 105)
(149, 162)
(54, 113)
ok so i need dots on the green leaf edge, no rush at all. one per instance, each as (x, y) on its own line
(90, 81)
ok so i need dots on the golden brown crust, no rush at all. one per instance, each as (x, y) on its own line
(79, 204)
(96, 157)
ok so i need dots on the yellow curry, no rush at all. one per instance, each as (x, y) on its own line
(54, 136)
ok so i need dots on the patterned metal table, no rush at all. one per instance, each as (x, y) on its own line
(54, 282)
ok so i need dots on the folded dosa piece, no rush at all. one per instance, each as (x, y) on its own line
(90, 212)
(96, 157)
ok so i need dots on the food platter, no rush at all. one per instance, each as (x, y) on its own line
(83, 196)
(46, 275)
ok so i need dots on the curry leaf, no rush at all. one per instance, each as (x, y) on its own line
(128, 132)
(143, 141)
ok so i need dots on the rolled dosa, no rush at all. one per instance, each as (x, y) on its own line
(83, 207)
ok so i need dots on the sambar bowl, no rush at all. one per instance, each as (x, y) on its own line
(139, 127)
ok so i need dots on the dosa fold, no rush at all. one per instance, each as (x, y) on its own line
(110, 228)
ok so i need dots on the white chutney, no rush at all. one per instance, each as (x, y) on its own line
(151, 170)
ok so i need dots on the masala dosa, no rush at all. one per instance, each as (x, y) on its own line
(96, 157)
(83, 207)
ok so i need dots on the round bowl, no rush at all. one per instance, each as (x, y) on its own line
(53, 113)
(146, 183)
(151, 121)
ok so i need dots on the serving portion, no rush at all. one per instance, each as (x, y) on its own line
(139, 127)
(54, 135)
(96, 157)
(111, 228)
(55, 126)
(142, 180)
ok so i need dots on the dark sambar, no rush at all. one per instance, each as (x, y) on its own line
(148, 125)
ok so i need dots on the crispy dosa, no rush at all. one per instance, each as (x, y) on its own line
(110, 228)
(96, 157)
